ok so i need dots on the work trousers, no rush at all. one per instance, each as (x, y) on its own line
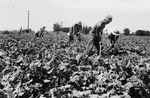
(76, 37)
(93, 41)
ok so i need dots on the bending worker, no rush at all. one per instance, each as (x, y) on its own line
(96, 35)
(112, 34)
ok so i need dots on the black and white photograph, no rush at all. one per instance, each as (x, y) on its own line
(74, 48)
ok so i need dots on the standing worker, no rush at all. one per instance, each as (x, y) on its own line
(96, 35)
(42, 30)
(40, 33)
(75, 32)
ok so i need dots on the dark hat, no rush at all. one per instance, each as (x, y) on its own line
(80, 23)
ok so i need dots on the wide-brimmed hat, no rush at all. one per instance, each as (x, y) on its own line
(113, 31)
(116, 32)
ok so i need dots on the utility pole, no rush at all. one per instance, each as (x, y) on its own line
(28, 19)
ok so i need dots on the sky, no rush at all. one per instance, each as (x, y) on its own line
(132, 14)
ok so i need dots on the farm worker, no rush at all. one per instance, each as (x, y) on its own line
(42, 30)
(37, 34)
(95, 35)
(40, 33)
(112, 34)
(75, 30)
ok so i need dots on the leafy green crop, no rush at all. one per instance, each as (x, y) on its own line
(48, 68)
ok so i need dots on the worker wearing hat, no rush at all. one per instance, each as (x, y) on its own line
(96, 35)
(42, 30)
(112, 35)
(75, 31)
(40, 33)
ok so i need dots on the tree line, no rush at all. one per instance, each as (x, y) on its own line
(57, 27)
(126, 31)
(85, 29)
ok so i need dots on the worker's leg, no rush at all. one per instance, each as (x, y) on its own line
(76, 38)
(97, 45)
(42, 34)
(115, 40)
(70, 39)
(70, 35)
(112, 39)
(89, 45)
(79, 37)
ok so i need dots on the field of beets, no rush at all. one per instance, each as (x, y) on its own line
(48, 67)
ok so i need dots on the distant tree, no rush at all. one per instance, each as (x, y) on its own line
(139, 33)
(56, 27)
(126, 31)
(6, 32)
(148, 33)
(142, 33)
